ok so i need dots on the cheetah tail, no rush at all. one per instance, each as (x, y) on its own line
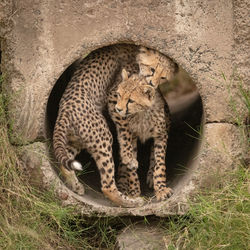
(59, 144)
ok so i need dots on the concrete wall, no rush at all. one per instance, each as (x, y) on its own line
(40, 39)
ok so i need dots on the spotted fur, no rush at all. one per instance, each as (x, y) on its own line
(80, 123)
(140, 111)
(156, 67)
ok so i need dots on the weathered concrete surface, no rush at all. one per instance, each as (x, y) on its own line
(241, 31)
(40, 39)
(47, 36)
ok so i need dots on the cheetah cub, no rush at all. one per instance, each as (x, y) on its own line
(139, 111)
(80, 122)
(156, 67)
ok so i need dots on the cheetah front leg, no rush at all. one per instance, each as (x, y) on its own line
(162, 192)
(128, 180)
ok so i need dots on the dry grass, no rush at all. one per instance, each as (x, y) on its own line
(219, 219)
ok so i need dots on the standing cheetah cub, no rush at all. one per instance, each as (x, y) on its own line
(139, 111)
(80, 122)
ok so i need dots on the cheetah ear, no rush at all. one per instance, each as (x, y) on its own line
(143, 49)
(149, 91)
(142, 55)
(124, 75)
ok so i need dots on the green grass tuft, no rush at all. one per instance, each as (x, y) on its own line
(218, 219)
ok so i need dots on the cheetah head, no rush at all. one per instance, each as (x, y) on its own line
(134, 94)
(155, 67)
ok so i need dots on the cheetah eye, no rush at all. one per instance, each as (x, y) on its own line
(152, 70)
(163, 78)
(130, 101)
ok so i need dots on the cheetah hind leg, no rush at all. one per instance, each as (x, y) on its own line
(71, 181)
(122, 197)
(103, 157)
(110, 189)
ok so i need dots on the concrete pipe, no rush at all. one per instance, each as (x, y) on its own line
(42, 40)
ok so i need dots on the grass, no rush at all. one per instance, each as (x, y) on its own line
(238, 117)
(219, 218)
(35, 219)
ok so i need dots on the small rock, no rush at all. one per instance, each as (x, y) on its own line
(141, 237)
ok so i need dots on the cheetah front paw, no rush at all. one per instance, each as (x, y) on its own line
(163, 193)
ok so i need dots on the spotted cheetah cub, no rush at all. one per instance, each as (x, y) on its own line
(80, 122)
(155, 67)
(139, 111)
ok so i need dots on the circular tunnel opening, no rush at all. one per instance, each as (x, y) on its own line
(183, 141)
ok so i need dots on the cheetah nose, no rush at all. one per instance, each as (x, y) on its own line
(118, 110)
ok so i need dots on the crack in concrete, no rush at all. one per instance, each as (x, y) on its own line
(222, 122)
